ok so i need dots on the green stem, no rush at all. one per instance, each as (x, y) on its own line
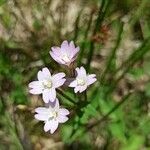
(101, 15)
(66, 96)
(77, 25)
(85, 38)
(134, 57)
(112, 55)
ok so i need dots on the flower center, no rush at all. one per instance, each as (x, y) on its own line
(47, 84)
(80, 81)
(53, 115)
(65, 58)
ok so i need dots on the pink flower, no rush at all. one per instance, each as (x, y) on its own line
(47, 84)
(82, 80)
(52, 116)
(65, 54)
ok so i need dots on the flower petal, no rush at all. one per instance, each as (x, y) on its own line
(47, 126)
(53, 94)
(56, 104)
(58, 79)
(91, 81)
(63, 111)
(82, 88)
(76, 89)
(42, 110)
(35, 84)
(41, 117)
(51, 125)
(73, 83)
(44, 74)
(46, 95)
(56, 58)
(82, 71)
(92, 75)
(56, 51)
(36, 91)
(49, 95)
(64, 44)
(62, 119)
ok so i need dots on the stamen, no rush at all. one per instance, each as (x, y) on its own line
(80, 81)
(65, 58)
(53, 115)
(47, 84)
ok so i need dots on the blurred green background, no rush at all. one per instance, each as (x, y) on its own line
(114, 40)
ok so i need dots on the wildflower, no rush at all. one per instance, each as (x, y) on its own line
(52, 116)
(47, 84)
(82, 80)
(65, 54)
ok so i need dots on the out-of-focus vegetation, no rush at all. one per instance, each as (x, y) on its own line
(114, 38)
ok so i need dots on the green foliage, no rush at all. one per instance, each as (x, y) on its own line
(2, 2)
(114, 112)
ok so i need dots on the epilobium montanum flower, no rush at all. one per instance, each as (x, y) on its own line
(82, 80)
(47, 84)
(52, 116)
(65, 54)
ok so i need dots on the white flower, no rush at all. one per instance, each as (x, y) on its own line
(82, 80)
(65, 54)
(47, 84)
(51, 116)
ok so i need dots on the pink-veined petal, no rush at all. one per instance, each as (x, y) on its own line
(56, 51)
(64, 44)
(56, 58)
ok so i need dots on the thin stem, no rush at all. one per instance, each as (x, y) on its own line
(66, 96)
(134, 57)
(85, 38)
(100, 18)
(113, 53)
(139, 12)
(77, 25)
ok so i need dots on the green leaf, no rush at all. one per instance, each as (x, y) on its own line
(117, 130)
(147, 89)
(135, 143)
(136, 73)
(66, 132)
(2, 2)
(37, 25)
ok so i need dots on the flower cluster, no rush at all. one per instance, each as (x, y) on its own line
(47, 84)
